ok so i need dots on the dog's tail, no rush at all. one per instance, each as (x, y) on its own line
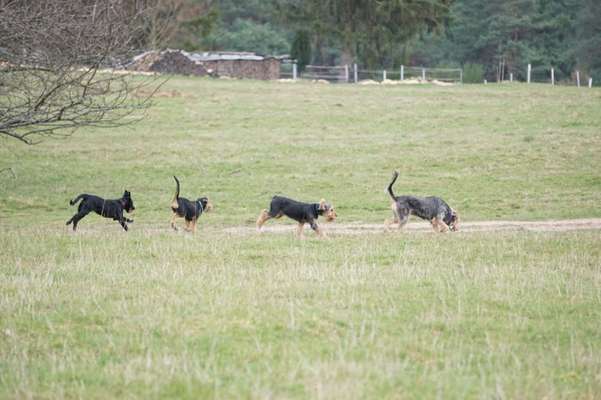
(174, 203)
(177, 188)
(75, 200)
(395, 175)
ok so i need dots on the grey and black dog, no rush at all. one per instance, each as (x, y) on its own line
(432, 208)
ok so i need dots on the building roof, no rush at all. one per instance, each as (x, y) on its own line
(215, 55)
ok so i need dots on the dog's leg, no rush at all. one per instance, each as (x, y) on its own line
(173, 218)
(77, 217)
(173, 221)
(403, 221)
(438, 225)
(193, 223)
(187, 227)
(402, 215)
(396, 217)
(442, 225)
(317, 229)
(263, 217)
(121, 220)
(299, 230)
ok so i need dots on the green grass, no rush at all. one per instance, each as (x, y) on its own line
(494, 152)
(157, 314)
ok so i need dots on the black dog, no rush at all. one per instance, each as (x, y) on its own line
(106, 208)
(189, 210)
(303, 213)
(433, 209)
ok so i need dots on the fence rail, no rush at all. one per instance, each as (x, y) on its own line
(336, 73)
(353, 74)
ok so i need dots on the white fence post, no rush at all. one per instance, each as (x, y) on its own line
(578, 78)
(346, 74)
(511, 77)
(529, 72)
(460, 76)
(590, 83)
(355, 73)
(485, 82)
(423, 74)
(402, 72)
(384, 75)
(553, 76)
(294, 71)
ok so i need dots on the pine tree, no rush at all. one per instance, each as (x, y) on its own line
(301, 49)
(588, 46)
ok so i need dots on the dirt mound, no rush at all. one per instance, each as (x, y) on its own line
(168, 61)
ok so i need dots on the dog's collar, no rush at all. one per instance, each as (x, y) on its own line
(201, 207)
(318, 210)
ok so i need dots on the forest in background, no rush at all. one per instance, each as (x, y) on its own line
(492, 38)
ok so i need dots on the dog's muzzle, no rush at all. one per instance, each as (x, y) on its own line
(331, 216)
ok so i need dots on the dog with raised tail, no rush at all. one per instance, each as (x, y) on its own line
(189, 210)
(432, 208)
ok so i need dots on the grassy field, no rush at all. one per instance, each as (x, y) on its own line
(158, 314)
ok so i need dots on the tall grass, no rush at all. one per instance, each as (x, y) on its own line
(416, 316)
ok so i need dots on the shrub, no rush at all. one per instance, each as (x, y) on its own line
(473, 73)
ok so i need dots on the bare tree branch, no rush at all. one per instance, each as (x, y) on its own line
(57, 66)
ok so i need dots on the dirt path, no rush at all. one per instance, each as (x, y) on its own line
(359, 228)
(476, 226)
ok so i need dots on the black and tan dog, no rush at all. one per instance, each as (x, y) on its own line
(189, 210)
(303, 213)
(434, 209)
(106, 208)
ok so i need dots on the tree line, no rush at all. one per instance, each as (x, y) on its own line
(500, 37)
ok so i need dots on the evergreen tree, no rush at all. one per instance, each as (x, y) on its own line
(371, 33)
(301, 49)
(588, 46)
(506, 36)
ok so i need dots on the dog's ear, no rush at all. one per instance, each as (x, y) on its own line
(126, 194)
(322, 204)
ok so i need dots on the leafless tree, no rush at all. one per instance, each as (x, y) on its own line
(57, 60)
(169, 22)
